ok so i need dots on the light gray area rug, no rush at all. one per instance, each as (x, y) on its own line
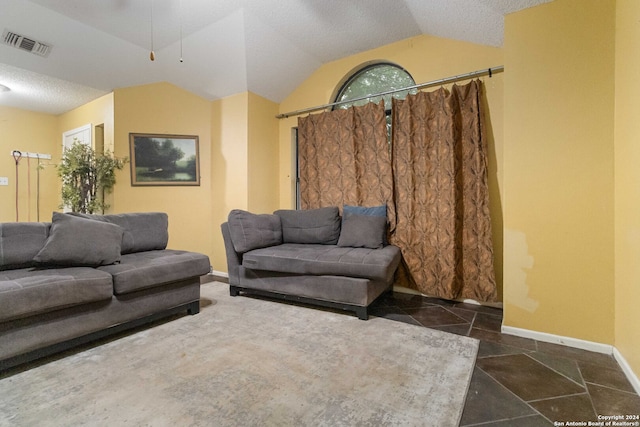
(251, 362)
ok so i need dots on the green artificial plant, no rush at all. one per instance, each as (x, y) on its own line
(86, 177)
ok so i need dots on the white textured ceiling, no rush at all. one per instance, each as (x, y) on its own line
(228, 46)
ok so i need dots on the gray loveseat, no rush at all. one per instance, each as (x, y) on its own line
(82, 277)
(311, 256)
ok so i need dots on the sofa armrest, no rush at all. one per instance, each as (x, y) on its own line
(234, 259)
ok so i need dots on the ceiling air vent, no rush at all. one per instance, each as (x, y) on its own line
(25, 43)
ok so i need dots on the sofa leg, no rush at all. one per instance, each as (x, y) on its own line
(193, 308)
(362, 313)
(234, 291)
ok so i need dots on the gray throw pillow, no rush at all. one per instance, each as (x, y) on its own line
(252, 231)
(320, 226)
(75, 241)
(380, 210)
(143, 231)
(362, 231)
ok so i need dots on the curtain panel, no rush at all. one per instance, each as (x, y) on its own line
(344, 158)
(442, 196)
(434, 183)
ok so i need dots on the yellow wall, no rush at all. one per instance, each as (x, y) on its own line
(230, 135)
(165, 109)
(426, 59)
(28, 132)
(229, 171)
(245, 161)
(263, 192)
(559, 168)
(627, 182)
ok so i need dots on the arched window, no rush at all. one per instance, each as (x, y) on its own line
(368, 79)
(373, 78)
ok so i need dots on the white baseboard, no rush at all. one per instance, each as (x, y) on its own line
(558, 339)
(581, 344)
(219, 273)
(631, 376)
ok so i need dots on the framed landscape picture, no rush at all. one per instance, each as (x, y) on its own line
(164, 159)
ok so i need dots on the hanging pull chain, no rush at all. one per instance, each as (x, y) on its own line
(152, 55)
(180, 12)
(17, 155)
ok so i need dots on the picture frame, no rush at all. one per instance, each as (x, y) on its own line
(159, 159)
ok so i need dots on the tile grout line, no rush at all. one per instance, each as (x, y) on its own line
(515, 395)
(583, 385)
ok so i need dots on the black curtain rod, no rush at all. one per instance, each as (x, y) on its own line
(486, 72)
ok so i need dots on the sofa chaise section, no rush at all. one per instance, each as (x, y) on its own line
(301, 256)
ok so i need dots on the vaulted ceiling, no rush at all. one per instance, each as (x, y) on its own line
(227, 46)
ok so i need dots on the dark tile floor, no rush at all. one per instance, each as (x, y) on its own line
(519, 381)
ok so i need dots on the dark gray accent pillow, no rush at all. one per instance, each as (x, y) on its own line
(75, 241)
(380, 210)
(363, 231)
(143, 231)
(320, 226)
(252, 231)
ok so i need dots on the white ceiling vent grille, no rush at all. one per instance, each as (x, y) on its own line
(25, 43)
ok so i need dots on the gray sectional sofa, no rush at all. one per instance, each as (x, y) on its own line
(311, 256)
(82, 277)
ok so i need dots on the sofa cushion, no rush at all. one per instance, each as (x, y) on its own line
(374, 264)
(75, 241)
(30, 291)
(20, 242)
(252, 231)
(320, 226)
(148, 269)
(362, 231)
(143, 231)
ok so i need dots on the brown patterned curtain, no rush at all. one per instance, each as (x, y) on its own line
(442, 197)
(344, 158)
